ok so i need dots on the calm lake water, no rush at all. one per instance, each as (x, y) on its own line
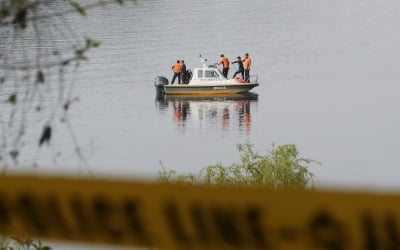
(329, 83)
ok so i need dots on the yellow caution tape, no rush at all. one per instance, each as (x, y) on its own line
(197, 217)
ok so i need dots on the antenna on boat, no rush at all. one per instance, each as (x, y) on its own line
(203, 61)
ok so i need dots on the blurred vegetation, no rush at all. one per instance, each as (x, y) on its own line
(39, 49)
(280, 168)
(40, 55)
(19, 243)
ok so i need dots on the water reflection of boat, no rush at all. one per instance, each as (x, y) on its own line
(206, 112)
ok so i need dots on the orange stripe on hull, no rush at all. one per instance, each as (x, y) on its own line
(211, 92)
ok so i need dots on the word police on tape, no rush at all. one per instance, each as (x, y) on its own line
(170, 216)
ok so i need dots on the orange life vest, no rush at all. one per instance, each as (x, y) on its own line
(224, 61)
(247, 63)
(177, 68)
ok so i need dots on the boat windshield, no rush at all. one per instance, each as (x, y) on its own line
(211, 74)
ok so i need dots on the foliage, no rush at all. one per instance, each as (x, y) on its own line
(20, 243)
(38, 47)
(40, 55)
(279, 168)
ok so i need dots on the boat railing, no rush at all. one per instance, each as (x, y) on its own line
(254, 78)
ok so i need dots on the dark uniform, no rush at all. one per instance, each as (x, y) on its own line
(184, 72)
(240, 67)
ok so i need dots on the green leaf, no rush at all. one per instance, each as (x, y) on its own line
(80, 52)
(95, 44)
(18, 2)
(65, 62)
(14, 154)
(12, 98)
(20, 17)
(46, 135)
(40, 77)
(90, 43)
(3, 14)
(78, 8)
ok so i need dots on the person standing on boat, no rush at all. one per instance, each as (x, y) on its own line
(240, 67)
(246, 65)
(177, 68)
(225, 65)
(183, 72)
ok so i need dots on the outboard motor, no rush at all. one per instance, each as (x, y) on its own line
(159, 83)
(189, 75)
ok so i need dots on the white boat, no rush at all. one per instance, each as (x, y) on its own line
(207, 80)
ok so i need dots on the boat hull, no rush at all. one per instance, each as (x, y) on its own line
(250, 96)
(216, 89)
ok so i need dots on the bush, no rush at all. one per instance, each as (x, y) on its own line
(280, 168)
(20, 243)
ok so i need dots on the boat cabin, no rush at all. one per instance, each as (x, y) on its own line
(207, 75)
